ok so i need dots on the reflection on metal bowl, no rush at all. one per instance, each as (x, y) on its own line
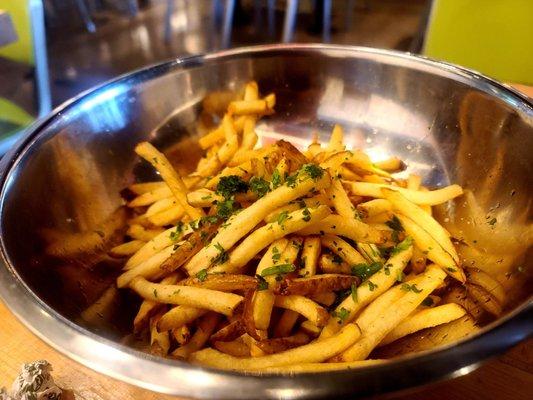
(450, 125)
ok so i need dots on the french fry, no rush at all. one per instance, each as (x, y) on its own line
(310, 328)
(147, 268)
(418, 261)
(221, 302)
(310, 202)
(304, 306)
(392, 164)
(432, 198)
(382, 280)
(391, 317)
(485, 299)
(149, 307)
(222, 282)
(247, 219)
(313, 285)
(309, 353)
(336, 140)
(205, 328)
(182, 335)
(265, 235)
(435, 252)
(329, 265)
(249, 107)
(169, 175)
(235, 348)
(277, 345)
(370, 252)
(126, 249)
(423, 319)
(310, 253)
(286, 323)
(203, 198)
(160, 206)
(140, 233)
(167, 217)
(338, 197)
(244, 171)
(178, 316)
(353, 158)
(374, 207)
(141, 188)
(151, 197)
(230, 332)
(159, 341)
(342, 248)
(350, 228)
(487, 282)
(324, 298)
(422, 219)
(414, 182)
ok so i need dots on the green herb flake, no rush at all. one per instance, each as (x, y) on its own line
(492, 221)
(226, 208)
(276, 179)
(291, 180)
(342, 314)
(202, 275)
(365, 271)
(155, 293)
(278, 269)
(175, 235)
(262, 284)
(450, 269)
(222, 256)
(282, 217)
(402, 246)
(259, 186)
(206, 197)
(400, 276)
(371, 286)
(354, 292)
(306, 214)
(230, 185)
(314, 171)
(395, 224)
(412, 288)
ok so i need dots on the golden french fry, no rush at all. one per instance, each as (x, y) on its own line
(169, 175)
(376, 330)
(353, 158)
(418, 261)
(425, 242)
(151, 197)
(221, 302)
(374, 207)
(246, 220)
(370, 252)
(342, 248)
(324, 298)
(302, 305)
(146, 268)
(179, 316)
(336, 140)
(338, 197)
(286, 323)
(265, 235)
(126, 249)
(222, 282)
(390, 164)
(235, 348)
(423, 319)
(206, 326)
(310, 328)
(160, 206)
(310, 202)
(138, 232)
(313, 285)
(309, 353)
(414, 182)
(422, 219)
(203, 198)
(230, 332)
(365, 293)
(159, 341)
(310, 253)
(433, 197)
(249, 107)
(182, 335)
(141, 188)
(350, 228)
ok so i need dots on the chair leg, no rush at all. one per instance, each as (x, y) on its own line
(291, 10)
(326, 22)
(228, 22)
(40, 56)
(85, 16)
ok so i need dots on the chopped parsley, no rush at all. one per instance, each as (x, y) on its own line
(202, 275)
(230, 185)
(450, 269)
(354, 292)
(206, 197)
(282, 217)
(222, 256)
(226, 208)
(395, 224)
(314, 171)
(402, 246)
(276, 255)
(365, 271)
(372, 286)
(175, 235)
(291, 180)
(400, 276)
(412, 288)
(262, 284)
(342, 314)
(278, 269)
(306, 214)
(276, 179)
(259, 186)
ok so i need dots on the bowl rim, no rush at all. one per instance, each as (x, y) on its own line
(113, 358)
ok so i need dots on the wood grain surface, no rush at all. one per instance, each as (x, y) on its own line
(507, 377)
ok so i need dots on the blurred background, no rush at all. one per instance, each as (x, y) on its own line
(51, 50)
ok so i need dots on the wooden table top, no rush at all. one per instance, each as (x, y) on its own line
(506, 377)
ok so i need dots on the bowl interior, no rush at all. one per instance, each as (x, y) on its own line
(445, 125)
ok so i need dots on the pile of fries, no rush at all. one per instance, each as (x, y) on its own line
(269, 259)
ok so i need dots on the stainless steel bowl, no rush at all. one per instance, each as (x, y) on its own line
(448, 123)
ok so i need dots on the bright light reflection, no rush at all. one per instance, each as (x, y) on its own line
(103, 109)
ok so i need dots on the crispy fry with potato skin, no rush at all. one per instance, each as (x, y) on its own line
(315, 284)
(230, 332)
(235, 348)
(222, 282)
(277, 345)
